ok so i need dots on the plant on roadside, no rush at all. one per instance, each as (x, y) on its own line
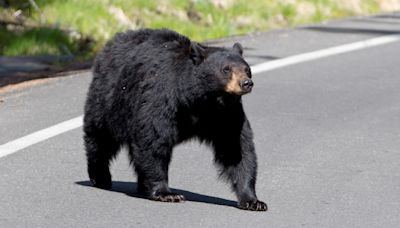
(81, 27)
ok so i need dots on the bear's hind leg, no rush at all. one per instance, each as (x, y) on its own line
(152, 172)
(100, 149)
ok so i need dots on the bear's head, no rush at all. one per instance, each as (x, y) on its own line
(224, 69)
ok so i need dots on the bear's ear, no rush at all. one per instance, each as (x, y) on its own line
(238, 48)
(197, 53)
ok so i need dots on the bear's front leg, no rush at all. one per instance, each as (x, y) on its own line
(152, 171)
(237, 156)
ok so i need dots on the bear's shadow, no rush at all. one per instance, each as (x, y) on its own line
(129, 188)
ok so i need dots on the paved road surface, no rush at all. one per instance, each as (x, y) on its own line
(327, 134)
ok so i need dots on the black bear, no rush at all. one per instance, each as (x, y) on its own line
(153, 89)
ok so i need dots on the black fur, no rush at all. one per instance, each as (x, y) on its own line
(153, 89)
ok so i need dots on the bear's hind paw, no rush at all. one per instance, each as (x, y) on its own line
(254, 206)
(168, 197)
(101, 184)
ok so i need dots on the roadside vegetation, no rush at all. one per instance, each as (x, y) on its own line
(80, 27)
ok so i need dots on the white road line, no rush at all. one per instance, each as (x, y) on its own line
(271, 65)
(39, 136)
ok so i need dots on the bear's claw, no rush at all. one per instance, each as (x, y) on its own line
(168, 197)
(254, 206)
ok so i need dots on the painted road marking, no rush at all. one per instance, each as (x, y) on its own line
(39, 136)
(271, 65)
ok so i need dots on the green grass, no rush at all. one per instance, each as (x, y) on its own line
(99, 20)
(38, 41)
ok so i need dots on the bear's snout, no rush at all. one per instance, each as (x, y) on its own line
(247, 85)
(239, 83)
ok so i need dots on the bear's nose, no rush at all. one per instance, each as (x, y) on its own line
(247, 85)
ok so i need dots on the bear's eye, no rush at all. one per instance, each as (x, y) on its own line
(226, 69)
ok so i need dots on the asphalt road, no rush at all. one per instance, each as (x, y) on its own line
(327, 135)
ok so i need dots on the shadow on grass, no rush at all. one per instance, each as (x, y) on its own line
(352, 30)
(264, 57)
(376, 21)
(40, 41)
(390, 16)
(130, 189)
(28, 53)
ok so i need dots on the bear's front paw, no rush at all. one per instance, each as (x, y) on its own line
(253, 206)
(168, 197)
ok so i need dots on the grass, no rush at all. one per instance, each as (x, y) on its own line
(81, 27)
(36, 41)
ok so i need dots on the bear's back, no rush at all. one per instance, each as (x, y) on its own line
(146, 47)
(136, 65)
(141, 60)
